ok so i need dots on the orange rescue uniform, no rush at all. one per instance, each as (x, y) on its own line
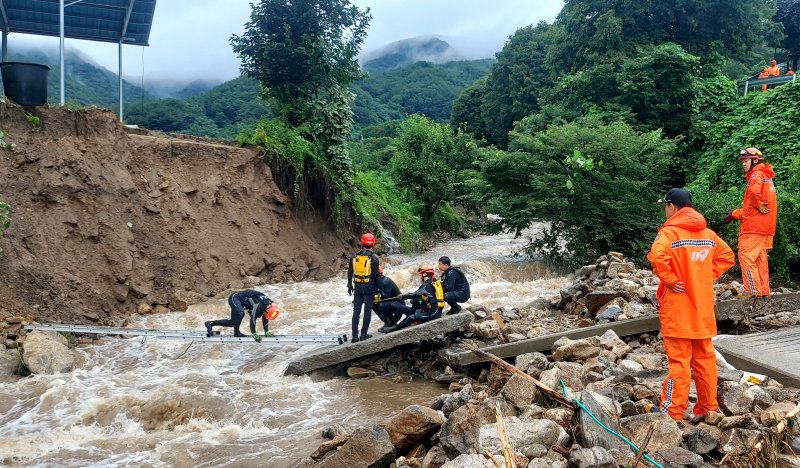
(757, 229)
(772, 70)
(686, 251)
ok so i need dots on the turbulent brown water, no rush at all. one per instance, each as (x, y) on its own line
(166, 403)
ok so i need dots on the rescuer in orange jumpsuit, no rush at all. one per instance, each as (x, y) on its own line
(758, 215)
(771, 70)
(687, 258)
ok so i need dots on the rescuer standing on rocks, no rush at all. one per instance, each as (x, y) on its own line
(364, 271)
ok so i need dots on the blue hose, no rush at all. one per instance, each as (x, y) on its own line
(608, 429)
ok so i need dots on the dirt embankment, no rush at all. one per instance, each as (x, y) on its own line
(104, 221)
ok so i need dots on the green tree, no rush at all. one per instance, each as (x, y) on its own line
(421, 164)
(467, 113)
(515, 81)
(592, 182)
(596, 30)
(300, 51)
(788, 13)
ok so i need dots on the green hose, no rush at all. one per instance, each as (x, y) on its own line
(608, 429)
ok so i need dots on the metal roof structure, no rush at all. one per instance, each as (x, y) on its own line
(126, 21)
(119, 21)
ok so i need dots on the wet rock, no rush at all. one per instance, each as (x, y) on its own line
(648, 361)
(459, 433)
(666, 433)
(47, 353)
(487, 329)
(761, 398)
(775, 413)
(418, 451)
(327, 446)
(514, 337)
(435, 458)
(576, 350)
(9, 361)
(629, 366)
(609, 340)
(360, 372)
(714, 417)
(607, 411)
(522, 434)
(728, 375)
(337, 429)
(144, 308)
(571, 374)
(519, 392)
(597, 299)
(621, 351)
(412, 425)
(615, 268)
(560, 416)
(641, 392)
(595, 457)
(532, 363)
(365, 448)
(738, 440)
(534, 451)
(629, 408)
(595, 365)
(473, 461)
(703, 438)
(678, 457)
(742, 420)
(456, 400)
(787, 461)
(551, 378)
(637, 309)
(734, 398)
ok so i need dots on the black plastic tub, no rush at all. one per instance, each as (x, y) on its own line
(25, 83)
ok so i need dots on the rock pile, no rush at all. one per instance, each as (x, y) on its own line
(616, 380)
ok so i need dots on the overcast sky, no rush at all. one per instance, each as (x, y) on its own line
(190, 38)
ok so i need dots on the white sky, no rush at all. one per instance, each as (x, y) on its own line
(190, 38)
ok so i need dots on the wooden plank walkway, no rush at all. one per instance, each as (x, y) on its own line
(775, 353)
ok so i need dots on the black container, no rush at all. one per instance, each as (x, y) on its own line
(25, 83)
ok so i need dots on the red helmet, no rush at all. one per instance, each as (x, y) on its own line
(751, 153)
(272, 312)
(425, 271)
(368, 240)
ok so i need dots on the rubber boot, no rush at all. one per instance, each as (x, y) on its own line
(365, 336)
(209, 331)
(454, 310)
(354, 339)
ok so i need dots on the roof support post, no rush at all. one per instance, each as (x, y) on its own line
(5, 45)
(61, 45)
(121, 105)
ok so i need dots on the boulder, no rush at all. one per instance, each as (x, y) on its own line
(435, 458)
(714, 417)
(487, 329)
(595, 457)
(519, 392)
(615, 268)
(473, 461)
(729, 375)
(366, 448)
(412, 425)
(571, 374)
(703, 438)
(532, 363)
(609, 340)
(775, 413)
(576, 350)
(734, 398)
(360, 372)
(678, 457)
(648, 361)
(456, 400)
(761, 398)
(605, 410)
(597, 299)
(738, 440)
(459, 433)
(666, 433)
(522, 434)
(328, 445)
(560, 416)
(47, 353)
(337, 429)
(9, 361)
(629, 366)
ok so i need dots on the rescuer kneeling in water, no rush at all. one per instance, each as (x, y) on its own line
(256, 303)
(427, 302)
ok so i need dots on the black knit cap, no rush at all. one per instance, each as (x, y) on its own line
(678, 197)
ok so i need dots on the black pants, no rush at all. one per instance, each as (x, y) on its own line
(237, 315)
(454, 297)
(362, 300)
(388, 312)
(416, 315)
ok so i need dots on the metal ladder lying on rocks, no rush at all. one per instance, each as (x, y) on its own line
(189, 335)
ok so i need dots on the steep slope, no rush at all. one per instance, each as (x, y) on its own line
(104, 221)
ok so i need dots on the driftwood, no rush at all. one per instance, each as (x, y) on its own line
(558, 397)
(644, 445)
(508, 451)
(781, 425)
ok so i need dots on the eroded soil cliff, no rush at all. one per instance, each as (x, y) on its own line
(104, 221)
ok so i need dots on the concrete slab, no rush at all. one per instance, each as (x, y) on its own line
(774, 353)
(545, 343)
(332, 355)
(741, 309)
